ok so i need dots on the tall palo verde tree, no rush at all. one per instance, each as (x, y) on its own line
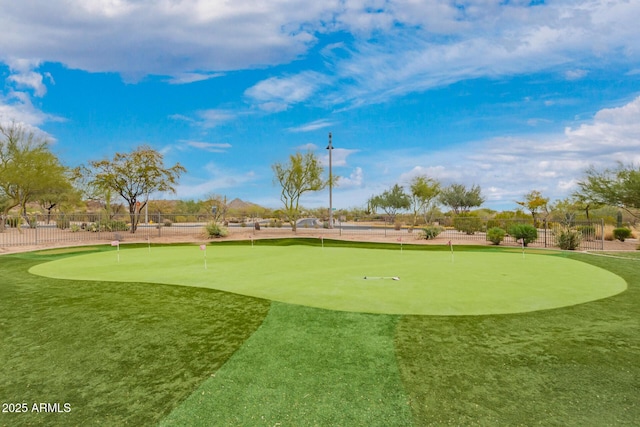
(302, 174)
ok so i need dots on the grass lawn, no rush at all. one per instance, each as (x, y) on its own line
(141, 354)
(359, 279)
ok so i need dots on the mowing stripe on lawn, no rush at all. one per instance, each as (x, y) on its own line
(305, 366)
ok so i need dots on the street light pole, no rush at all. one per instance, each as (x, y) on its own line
(330, 148)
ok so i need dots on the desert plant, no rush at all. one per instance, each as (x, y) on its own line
(167, 223)
(528, 233)
(213, 230)
(431, 232)
(496, 235)
(467, 224)
(621, 233)
(568, 239)
(14, 221)
(74, 228)
(588, 232)
(63, 223)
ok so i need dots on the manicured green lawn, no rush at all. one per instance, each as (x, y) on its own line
(429, 282)
(142, 353)
(118, 353)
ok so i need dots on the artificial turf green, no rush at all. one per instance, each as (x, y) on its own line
(360, 280)
(576, 365)
(305, 367)
(117, 353)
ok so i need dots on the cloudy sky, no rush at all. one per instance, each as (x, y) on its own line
(511, 95)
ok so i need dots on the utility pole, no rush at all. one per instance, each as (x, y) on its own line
(330, 148)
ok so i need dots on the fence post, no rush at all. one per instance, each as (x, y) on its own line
(602, 233)
(36, 230)
(545, 232)
(158, 226)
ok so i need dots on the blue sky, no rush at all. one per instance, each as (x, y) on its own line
(511, 95)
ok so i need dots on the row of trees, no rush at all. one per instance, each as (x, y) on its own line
(30, 172)
(423, 196)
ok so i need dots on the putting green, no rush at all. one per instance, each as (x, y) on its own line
(431, 282)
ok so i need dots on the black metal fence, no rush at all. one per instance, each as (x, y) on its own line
(95, 227)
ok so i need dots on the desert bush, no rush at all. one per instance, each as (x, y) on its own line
(431, 232)
(167, 223)
(569, 239)
(213, 230)
(397, 225)
(14, 221)
(74, 228)
(63, 223)
(108, 225)
(467, 224)
(588, 232)
(496, 235)
(181, 218)
(526, 232)
(621, 233)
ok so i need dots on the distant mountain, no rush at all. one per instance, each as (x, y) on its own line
(242, 205)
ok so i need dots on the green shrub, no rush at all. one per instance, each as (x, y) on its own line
(431, 232)
(524, 231)
(108, 225)
(588, 232)
(569, 239)
(74, 228)
(214, 230)
(621, 233)
(181, 218)
(496, 235)
(63, 223)
(467, 224)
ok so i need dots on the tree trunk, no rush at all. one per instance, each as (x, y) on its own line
(133, 218)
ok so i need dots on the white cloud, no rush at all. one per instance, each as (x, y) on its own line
(338, 157)
(17, 107)
(208, 118)
(354, 180)
(307, 147)
(508, 167)
(186, 78)
(397, 46)
(212, 147)
(575, 74)
(312, 126)
(277, 94)
(30, 80)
